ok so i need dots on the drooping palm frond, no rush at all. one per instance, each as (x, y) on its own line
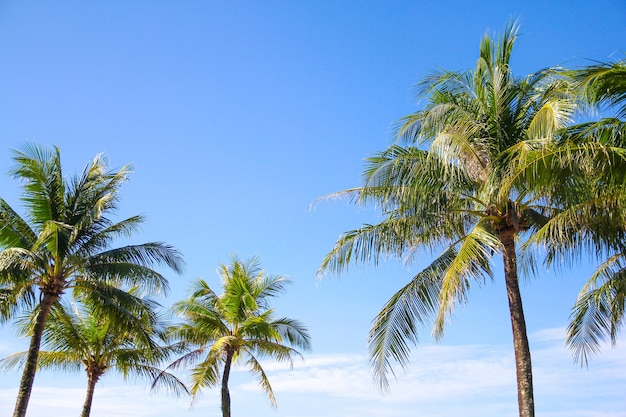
(160, 378)
(398, 323)
(256, 369)
(471, 263)
(293, 331)
(207, 372)
(98, 235)
(599, 310)
(17, 282)
(14, 230)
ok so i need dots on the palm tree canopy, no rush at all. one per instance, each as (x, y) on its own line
(64, 241)
(77, 339)
(239, 322)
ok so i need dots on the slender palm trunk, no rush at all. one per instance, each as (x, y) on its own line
(225, 392)
(523, 366)
(28, 376)
(92, 380)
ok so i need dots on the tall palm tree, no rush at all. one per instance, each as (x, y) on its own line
(76, 338)
(63, 244)
(236, 326)
(449, 189)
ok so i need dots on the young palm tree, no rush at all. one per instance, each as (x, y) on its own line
(236, 326)
(63, 244)
(450, 187)
(76, 338)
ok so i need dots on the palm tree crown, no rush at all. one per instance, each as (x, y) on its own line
(237, 326)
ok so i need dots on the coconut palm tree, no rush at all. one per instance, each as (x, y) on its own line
(75, 337)
(63, 244)
(450, 188)
(237, 326)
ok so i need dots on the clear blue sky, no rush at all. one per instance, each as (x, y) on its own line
(237, 115)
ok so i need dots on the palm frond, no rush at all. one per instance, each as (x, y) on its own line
(397, 324)
(264, 383)
(599, 310)
(472, 262)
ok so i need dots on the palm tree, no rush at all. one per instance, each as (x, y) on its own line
(77, 338)
(451, 189)
(63, 245)
(236, 326)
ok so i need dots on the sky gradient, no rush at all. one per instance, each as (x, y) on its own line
(237, 116)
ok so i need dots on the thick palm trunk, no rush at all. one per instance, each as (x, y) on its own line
(523, 366)
(28, 376)
(225, 391)
(92, 380)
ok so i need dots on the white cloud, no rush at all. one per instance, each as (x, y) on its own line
(468, 380)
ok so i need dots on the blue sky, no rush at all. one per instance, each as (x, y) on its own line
(237, 116)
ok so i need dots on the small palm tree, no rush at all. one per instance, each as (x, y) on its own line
(237, 326)
(452, 188)
(63, 244)
(77, 338)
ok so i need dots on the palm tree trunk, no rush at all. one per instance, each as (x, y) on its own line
(28, 376)
(523, 366)
(225, 392)
(92, 380)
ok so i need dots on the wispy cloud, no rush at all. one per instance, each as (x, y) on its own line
(468, 380)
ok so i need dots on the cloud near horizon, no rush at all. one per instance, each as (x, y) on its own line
(441, 380)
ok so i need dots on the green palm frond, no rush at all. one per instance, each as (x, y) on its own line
(293, 331)
(160, 379)
(257, 370)
(606, 131)
(147, 254)
(40, 171)
(204, 374)
(125, 310)
(599, 310)
(16, 297)
(396, 326)
(98, 235)
(471, 263)
(604, 83)
(369, 243)
(14, 230)
(57, 361)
